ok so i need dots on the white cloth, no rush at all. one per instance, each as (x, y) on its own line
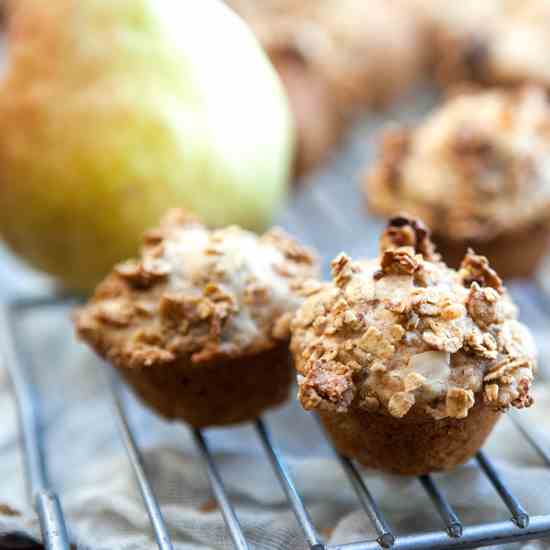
(89, 468)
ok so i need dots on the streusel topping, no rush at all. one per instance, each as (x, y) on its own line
(198, 293)
(477, 166)
(404, 331)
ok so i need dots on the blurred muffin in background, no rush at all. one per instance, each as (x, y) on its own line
(477, 171)
(488, 41)
(199, 325)
(373, 52)
(335, 57)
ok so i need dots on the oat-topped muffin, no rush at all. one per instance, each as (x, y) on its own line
(199, 325)
(488, 41)
(408, 362)
(477, 171)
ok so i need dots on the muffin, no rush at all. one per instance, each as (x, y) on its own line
(334, 57)
(477, 171)
(410, 363)
(488, 41)
(199, 325)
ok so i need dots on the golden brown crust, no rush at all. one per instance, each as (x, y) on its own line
(412, 445)
(407, 335)
(198, 295)
(475, 169)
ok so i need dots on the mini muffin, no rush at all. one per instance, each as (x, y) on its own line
(488, 41)
(408, 362)
(477, 171)
(199, 325)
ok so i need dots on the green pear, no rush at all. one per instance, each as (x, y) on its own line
(114, 111)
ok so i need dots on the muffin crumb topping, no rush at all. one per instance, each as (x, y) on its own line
(404, 231)
(476, 269)
(405, 334)
(199, 293)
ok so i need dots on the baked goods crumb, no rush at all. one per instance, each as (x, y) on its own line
(209, 506)
(6, 510)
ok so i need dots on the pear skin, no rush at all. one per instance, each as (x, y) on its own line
(113, 112)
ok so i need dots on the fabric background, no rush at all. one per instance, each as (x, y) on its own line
(89, 468)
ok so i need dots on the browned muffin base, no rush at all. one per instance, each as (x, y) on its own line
(413, 445)
(513, 254)
(215, 394)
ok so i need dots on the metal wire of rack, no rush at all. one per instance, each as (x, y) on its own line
(453, 534)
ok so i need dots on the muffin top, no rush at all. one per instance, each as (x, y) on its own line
(198, 294)
(479, 165)
(406, 334)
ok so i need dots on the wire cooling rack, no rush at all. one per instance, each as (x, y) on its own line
(329, 215)
(453, 534)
